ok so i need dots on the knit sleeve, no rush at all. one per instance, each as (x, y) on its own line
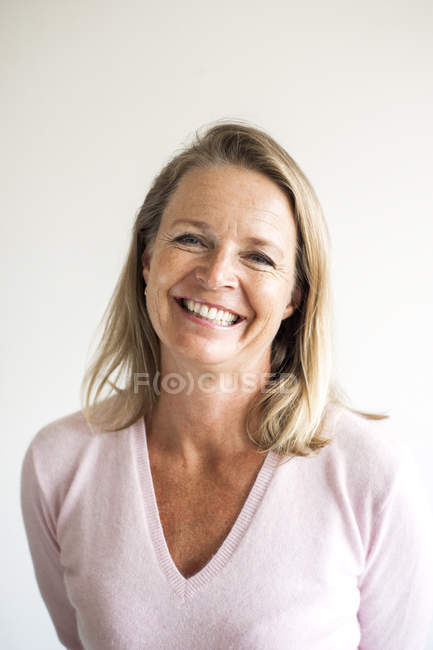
(40, 526)
(396, 586)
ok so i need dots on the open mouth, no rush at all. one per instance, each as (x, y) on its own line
(219, 317)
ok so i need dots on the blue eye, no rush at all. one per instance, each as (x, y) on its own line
(261, 259)
(186, 239)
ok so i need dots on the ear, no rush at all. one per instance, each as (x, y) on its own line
(145, 261)
(293, 304)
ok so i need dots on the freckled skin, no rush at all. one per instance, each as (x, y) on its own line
(220, 266)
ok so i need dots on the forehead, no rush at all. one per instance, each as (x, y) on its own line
(226, 194)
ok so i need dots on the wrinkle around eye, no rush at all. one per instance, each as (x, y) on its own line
(181, 239)
(264, 259)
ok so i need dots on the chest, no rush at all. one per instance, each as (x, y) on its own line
(197, 513)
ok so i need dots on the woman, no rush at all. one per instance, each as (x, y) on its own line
(165, 514)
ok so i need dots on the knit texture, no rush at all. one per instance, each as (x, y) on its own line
(331, 552)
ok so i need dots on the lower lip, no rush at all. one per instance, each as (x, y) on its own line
(203, 321)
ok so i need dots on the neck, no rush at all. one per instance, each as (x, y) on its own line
(200, 415)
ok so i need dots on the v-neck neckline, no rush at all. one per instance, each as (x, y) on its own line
(185, 588)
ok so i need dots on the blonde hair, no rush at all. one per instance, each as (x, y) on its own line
(291, 412)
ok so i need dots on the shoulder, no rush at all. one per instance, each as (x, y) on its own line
(367, 457)
(371, 442)
(57, 443)
(67, 451)
(62, 434)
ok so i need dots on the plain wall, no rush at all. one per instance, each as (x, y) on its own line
(96, 96)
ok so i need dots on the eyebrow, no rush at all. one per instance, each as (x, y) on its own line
(253, 240)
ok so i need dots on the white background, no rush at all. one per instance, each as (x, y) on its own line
(96, 96)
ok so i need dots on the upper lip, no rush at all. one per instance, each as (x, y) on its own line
(211, 304)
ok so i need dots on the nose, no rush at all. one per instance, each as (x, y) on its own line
(216, 270)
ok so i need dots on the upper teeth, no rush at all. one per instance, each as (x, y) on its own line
(212, 313)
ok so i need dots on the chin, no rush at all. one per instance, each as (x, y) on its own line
(205, 357)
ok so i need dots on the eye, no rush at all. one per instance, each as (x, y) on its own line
(261, 259)
(188, 238)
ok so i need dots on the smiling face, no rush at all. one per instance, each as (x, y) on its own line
(226, 242)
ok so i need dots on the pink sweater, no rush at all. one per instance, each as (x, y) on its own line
(328, 553)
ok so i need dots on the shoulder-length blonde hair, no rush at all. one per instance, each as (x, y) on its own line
(291, 411)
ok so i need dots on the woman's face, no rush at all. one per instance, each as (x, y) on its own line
(226, 242)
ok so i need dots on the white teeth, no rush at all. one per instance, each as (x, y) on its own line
(218, 316)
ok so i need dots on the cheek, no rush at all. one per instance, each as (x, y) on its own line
(272, 294)
(171, 264)
(168, 271)
(161, 269)
(272, 307)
